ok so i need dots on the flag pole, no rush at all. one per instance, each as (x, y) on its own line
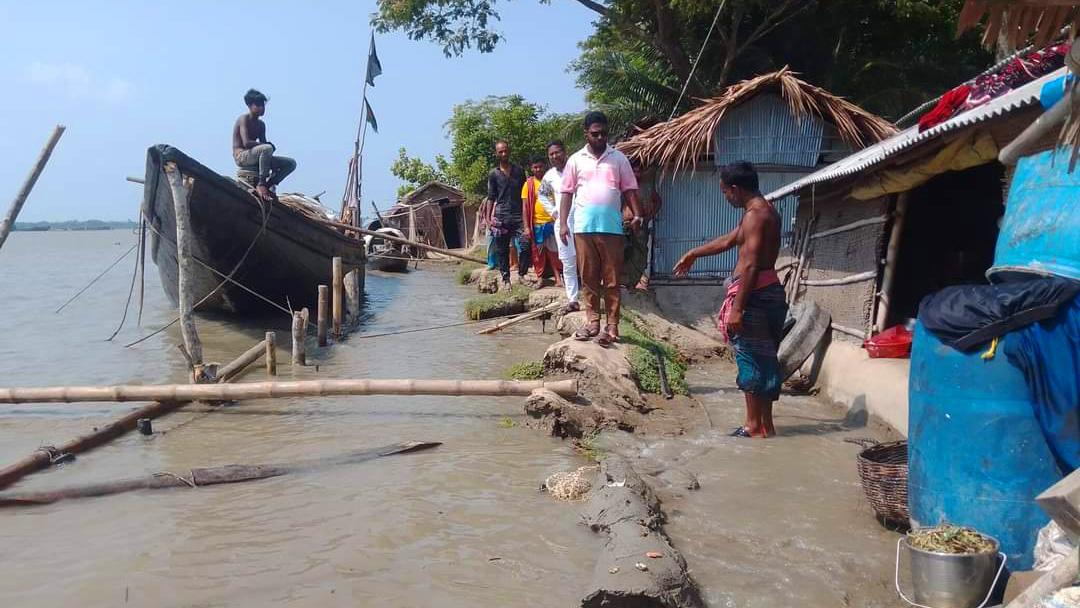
(358, 146)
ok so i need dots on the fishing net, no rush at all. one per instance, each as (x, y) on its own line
(570, 486)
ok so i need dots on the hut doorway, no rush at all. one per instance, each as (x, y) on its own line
(453, 222)
(948, 236)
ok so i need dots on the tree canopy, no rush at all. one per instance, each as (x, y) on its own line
(886, 55)
(473, 129)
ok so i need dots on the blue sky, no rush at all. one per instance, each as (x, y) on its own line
(124, 75)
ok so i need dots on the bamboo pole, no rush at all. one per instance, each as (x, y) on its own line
(853, 278)
(852, 226)
(43, 457)
(352, 295)
(801, 264)
(336, 304)
(241, 363)
(892, 253)
(394, 239)
(28, 185)
(299, 354)
(321, 311)
(271, 354)
(539, 312)
(193, 478)
(264, 390)
(181, 187)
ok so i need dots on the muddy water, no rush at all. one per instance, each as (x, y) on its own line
(461, 525)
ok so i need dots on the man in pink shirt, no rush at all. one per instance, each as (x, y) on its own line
(595, 180)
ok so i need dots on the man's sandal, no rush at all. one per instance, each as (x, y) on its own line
(587, 332)
(608, 336)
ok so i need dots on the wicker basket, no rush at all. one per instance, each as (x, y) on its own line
(883, 469)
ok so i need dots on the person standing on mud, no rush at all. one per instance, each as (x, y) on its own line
(636, 267)
(754, 308)
(550, 189)
(539, 216)
(595, 180)
(504, 186)
(252, 151)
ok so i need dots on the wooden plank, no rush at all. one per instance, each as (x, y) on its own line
(1061, 502)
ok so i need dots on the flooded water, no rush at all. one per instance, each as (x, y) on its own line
(460, 525)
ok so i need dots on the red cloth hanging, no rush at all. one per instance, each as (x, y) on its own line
(946, 108)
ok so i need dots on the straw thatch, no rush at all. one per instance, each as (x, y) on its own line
(679, 143)
(1019, 20)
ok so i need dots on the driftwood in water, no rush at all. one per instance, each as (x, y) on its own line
(539, 312)
(16, 206)
(264, 390)
(624, 508)
(44, 456)
(232, 473)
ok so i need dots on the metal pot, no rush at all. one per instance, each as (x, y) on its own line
(950, 580)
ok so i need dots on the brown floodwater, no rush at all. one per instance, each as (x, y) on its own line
(460, 525)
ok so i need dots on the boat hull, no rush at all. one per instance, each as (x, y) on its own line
(276, 251)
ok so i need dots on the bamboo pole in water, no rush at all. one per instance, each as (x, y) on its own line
(299, 327)
(28, 185)
(232, 473)
(539, 312)
(237, 366)
(271, 354)
(266, 390)
(321, 314)
(181, 186)
(338, 301)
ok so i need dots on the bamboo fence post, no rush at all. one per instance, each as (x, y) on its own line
(881, 315)
(299, 357)
(271, 354)
(337, 303)
(263, 390)
(322, 312)
(28, 185)
(352, 295)
(181, 187)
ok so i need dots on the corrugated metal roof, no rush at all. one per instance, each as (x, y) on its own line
(1012, 101)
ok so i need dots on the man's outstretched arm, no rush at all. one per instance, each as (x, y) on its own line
(713, 247)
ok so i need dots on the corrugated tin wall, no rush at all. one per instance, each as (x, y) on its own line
(695, 212)
(765, 132)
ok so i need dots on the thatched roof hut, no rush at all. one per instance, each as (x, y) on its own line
(679, 143)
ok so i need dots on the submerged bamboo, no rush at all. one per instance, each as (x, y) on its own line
(232, 473)
(539, 312)
(235, 368)
(265, 390)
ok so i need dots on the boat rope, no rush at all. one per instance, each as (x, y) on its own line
(131, 291)
(226, 278)
(701, 52)
(95, 279)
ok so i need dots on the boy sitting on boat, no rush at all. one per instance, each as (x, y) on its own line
(253, 152)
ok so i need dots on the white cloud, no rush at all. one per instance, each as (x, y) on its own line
(78, 83)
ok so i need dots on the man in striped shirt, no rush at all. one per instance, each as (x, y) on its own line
(596, 180)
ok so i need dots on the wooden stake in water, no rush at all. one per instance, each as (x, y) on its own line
(181, 186)
(271, 354)
(338, 302)
(28, 185)
(299, 327)
(324, 304)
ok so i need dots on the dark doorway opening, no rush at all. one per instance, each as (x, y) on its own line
(948, 237)
(452, 224)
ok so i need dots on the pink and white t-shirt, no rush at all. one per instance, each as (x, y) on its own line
(598, 184)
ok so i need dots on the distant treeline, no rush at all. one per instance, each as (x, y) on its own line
(76, 225)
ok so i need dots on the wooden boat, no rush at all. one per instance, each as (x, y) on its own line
(281, 251)
(383, 255)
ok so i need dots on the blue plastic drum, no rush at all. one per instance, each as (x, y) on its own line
(976, 454)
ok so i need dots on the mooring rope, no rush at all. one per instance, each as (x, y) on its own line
(96, 279)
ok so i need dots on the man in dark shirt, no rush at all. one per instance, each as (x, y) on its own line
(504, 186)
(251, 151)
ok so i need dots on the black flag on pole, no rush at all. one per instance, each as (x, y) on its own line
(370, 116)
(374, 68)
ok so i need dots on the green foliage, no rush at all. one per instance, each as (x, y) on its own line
(475, 126)
(642, 357)
(497, 304)
(414, 172)
(464, 272)
(526, 370)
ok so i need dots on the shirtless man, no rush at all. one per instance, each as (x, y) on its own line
(252, 151)
(754, 309)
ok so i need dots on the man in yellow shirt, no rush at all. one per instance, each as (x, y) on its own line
(540, 223)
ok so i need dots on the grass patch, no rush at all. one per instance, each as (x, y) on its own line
(526, 370)
(589, 447)
(497, 304)
(464, 272)
(642, 357)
